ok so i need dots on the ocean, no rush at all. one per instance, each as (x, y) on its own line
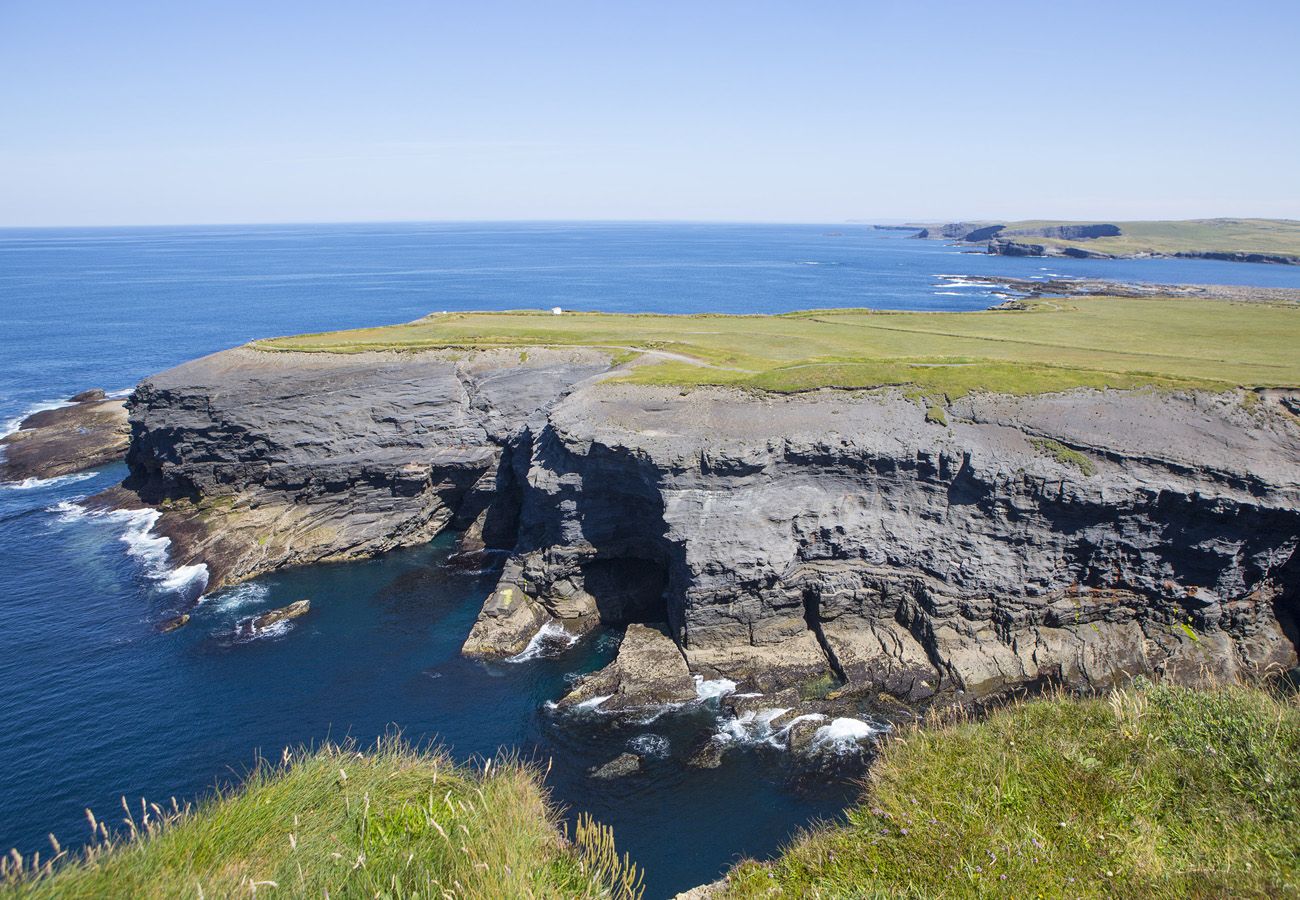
(97, 705)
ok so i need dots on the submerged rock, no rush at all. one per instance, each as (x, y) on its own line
(283, 614)
(618, 767)
(648, 671)
(708, 754)
(173, 623)
(90, 432)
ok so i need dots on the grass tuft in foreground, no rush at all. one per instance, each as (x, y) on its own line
(1154, 792)
(391, 822)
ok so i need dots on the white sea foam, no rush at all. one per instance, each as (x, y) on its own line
(714, 689)
(949, 294)
(752, 727)
(551, 638)
(240, 596)
(9, 426)
(806, 717)
(955, 282)
(655, 745)
(587, 705)
(246, 631)
(28, 484)
(147, 548)
(843, 734)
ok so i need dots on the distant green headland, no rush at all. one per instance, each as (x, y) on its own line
(1052, 344)
(1244, 240)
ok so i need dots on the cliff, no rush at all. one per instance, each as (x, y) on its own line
(829, 537)
(1274, 241)
(261, 460)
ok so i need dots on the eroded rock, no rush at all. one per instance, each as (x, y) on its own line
(294, 610)
(173, 623)
(620, 766)
(649, 670)
(91, 431)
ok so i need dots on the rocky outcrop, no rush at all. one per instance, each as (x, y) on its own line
(90, 431)
(619, 767)
(260, 460)
(648, 671)
(294, 610)
(1279, 259)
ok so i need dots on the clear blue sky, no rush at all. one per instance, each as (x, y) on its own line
(120, 111)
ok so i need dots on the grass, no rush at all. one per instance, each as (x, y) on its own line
(1271, 236)
(1083, 342)
(1154, 792)
(1064, 455)
(392, 822)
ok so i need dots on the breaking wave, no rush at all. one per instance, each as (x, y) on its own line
(238, 597)
(28, 484)
(655, 745)
(713, 690)
(147, 548)
(843, 735)
(9, 426)
(550, 640)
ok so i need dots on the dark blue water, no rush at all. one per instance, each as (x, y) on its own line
(96, 704)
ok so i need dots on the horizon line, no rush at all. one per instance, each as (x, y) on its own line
(882, 220)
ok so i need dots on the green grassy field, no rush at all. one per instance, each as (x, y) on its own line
(391, 822)
(1058, 344)
(1156, 792)
(1272, 236)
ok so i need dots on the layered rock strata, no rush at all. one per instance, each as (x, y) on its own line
(1082, 538)
(261, 460)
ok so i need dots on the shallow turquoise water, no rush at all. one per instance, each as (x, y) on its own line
(96, 704)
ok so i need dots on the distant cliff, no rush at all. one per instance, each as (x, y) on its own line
(1274, 241)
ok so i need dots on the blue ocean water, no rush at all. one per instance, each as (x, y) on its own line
(96, 704)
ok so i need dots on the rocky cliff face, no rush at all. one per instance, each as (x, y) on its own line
(1081, 538)
(263, 460)
(832, 539)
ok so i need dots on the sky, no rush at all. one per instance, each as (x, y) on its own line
(129, 112)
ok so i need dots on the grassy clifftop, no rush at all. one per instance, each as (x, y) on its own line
(1092, 341)
(1156, 792)
(335, 823)
(1273, 237)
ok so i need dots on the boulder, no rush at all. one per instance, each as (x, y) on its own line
(506, 624)
(648, 671)
(283, 614)
(173, 623)
(619, 766)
